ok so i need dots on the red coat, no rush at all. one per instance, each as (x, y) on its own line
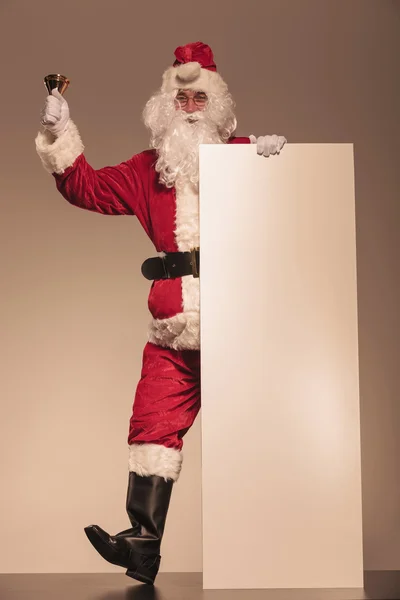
(170, 218)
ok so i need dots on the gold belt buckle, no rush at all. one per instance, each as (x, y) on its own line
(193, 262)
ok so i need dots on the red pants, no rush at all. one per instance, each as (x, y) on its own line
(167, 397)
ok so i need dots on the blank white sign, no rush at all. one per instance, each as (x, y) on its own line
(280, 417)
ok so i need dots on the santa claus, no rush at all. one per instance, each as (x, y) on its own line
(160, 187)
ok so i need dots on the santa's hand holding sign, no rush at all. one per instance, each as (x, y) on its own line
(160, 187)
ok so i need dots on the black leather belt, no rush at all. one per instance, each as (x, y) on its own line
(172, 265)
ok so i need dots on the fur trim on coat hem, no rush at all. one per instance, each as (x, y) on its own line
(181, 332)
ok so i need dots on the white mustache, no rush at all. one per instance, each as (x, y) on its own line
(193, 117)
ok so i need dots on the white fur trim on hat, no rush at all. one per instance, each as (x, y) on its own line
(155, 459)
(192, 76)
(60, 153)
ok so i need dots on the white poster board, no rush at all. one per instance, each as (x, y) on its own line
(280, 398)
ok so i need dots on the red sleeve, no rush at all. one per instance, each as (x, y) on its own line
(110, 191)
(239, 140)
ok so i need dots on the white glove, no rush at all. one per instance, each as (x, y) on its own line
(268, 144)
(55, 113)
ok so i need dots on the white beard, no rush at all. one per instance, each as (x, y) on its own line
(177, 135)
(178, 153)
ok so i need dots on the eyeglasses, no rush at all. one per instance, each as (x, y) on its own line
(199, 98)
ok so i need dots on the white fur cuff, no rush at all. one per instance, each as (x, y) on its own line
(155, 459)
(60, 153)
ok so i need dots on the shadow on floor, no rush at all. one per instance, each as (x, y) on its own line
(137, 592)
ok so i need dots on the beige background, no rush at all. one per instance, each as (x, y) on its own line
(286, 468)
(73, 302)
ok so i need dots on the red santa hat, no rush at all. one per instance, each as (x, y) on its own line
(194, 68)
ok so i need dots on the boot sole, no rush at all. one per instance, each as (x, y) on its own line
(139, 577)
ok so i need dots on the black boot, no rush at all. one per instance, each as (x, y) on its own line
(138, 549)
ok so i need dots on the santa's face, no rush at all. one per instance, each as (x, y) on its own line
(191, 101)
(179, 122)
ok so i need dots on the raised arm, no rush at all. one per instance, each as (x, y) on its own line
(114, 190)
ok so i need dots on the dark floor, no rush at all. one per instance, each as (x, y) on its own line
(379, 585)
